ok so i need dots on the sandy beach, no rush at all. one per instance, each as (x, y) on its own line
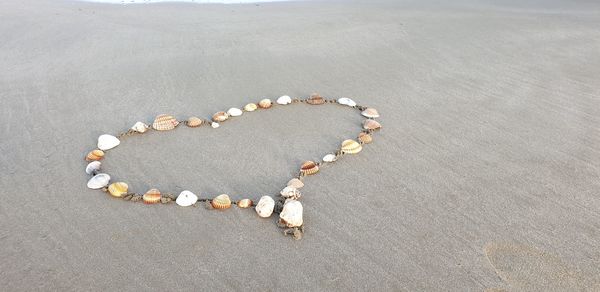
(485, 176)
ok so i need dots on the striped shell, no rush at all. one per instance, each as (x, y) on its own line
(309, 167)
(265, 103)
(370, 113)
(365, 138)
(152, 196)
(315, 99)
(295, 183)
(351, 147)
(371, 125)
(164, 123)
(220, 117)
(194, 122)
(250, 107)
(94, 155)
(118, 189)
(244, 203)
(221, 202)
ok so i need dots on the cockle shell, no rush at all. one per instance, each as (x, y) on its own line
(371, 125)
(309, 167)
(152, 196)
(370, 113)
(106, 142)
(315, 99)
(118, 189)
(329, 158)
(265, 206)
(214, 125)
(140, 127)
(265, 103)
(346, 101)
(93, 167)
(290, 193)
(244, 203)
(98, 181)
(351, 147)
(164, 123)
(94, 155)
(365, 138)
(234, 112)
(295, 183)
(186, 198)
(250, 107)
(194, 122)
(291, 215)
(220, 117)
(221, 202)
(283, 100)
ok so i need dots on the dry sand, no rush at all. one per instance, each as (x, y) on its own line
(486, 175)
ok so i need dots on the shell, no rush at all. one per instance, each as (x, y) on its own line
(118, 189)
(315, 99)
(265, 206)
(250, 107)
(152, 196)
(370, 113)
(220, 117)
(214, 125)
(296, 183)
(164, 123)
(291, 215)
(244, 203)
(283, 100)
(186, 198)
(329, 158)
(106, 142)
(265, 103)
(309, 167)
(94, 155)
(140, 127)
(93, 167)
(346, 101)
(371, 125)
(221, 202)
(290, 193)
(351, 147)
(98, 181)
(194, 122)
(234, 112)
(365, 138)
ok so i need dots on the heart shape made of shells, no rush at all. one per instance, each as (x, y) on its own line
(286, 204)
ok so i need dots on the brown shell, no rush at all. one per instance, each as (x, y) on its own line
(94, 155)
(265, 103)
(371, 125)
(194, 122)
(221, 202)
(315, 99)
(370, 113)
(309, 167)
(152, 196)
(220, 117)
(244, 203)
(365, 138)
(164, 123)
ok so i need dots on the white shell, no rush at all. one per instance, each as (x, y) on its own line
(235, 112)
(329, 158)
(140, 127)
(284, 100)
(265, 206)
(106, 142)
(292, 214)
(92, 167)
(186, 198)
(346, 101)
(98, 181)
(214, 125)
(290, 192)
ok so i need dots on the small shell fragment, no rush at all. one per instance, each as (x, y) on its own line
(295, 183)
(234, 112)
(309, 168)
(291, 215)
(194, 122)
(290, 193)
(315, 99)
(118, 189)
(92, 167)
(164, 123)
(244, 203)
(152, 196)
(221, 202)
(370, 113)
(346, 101)
(106, 142)
(214, 125)
(94, 155)
(351, 147)
(329, 158)
(220, 117)
(365, 138)
(140, 127)
(265, 103)
(186, 198)
(98, 181)
(371, 125)
(265, 206)
(283, 100)
(250, 107)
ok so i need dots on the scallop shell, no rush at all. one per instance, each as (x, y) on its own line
(309, 167)
(329, 158)
(371, 125)
(98, 181)
(370, 113)
(118, 189)
(291, 215)
(351, 147)
(214, 125)
(290, 193)
(296, 183)
(250, 107)
(220, 117)
(186, 198)
(221, 202)
(93, 167)
(94, 155)
(265, 103)
(346, 101)
(315, 99)
(164, 123)
(234, 112)
(283, 100)
(194, 122)
(244, 203)
(265, 206)
(152, 196)
(365, 138)
(106, 142)
(140, 127)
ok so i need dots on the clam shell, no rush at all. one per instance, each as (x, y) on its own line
(370, 113)
(265, 103)
(140, 127)
(365, 138)
(291, 215)
(351, 147)
(106, 142)
(186, 198)
(244, 203)
(265, 206)
(290, 193)
(221, 202)
(283, 100)
(371, 125)
(93, 167)
(220, 117)
(194, 122)
(94, 155)
(152, 196)
(309, 167)
(214, 125)
(329, 158)
(118, 189)
(315, 99)
(164, 123)
(98, 181)
(346, 101)
(296, 183)
(250, 107)
(234, 112)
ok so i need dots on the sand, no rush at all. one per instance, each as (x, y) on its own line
(485, 176)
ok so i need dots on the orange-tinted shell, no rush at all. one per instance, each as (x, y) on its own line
(371, 125)
(220, 117)
(152, 196)
(309, 167)
(94, 155)
(164, 123)
(118, 189)
(194, 122)
(265, 103)
(244, 203)
(315, 99)
(365, 138)
(370, 113)
(221, 202)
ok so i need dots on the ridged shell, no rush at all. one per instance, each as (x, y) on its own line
(315, 99)
(164, 123)
(309, 167)
(265, 103)
(329, 158)
(106, 142)
(365, 138)
(244, 203)
(290, 193)
(250, 107)
(291, 215)
(346, 101)
(118, 189)
(295, 183)
(94, 155)
(221, 202)
(351, 147)
(93, 167)
(152, 196)
(283, 100)
(186, 198)
(140, 127)
(265, 206)
(234, 112)
(194, 122)
(98, 181)
(220, 117)
(371, 125)
(370, 113)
